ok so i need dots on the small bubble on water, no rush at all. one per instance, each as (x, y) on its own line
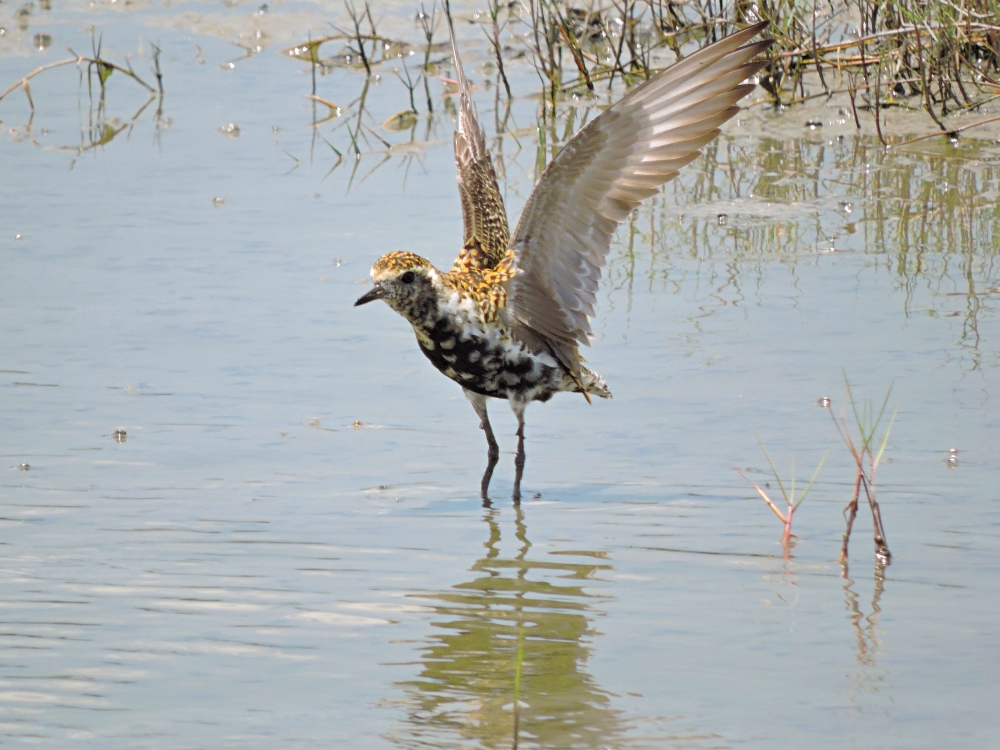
(337, 262)
(228, 66)
(18, 236)
(846, 206)
(722, 219)
(232, 130)
(823, 402)
(218, 201)
(120, 436)
(25, 467)
(43, 41)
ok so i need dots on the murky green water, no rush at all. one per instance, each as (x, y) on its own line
(288, 549)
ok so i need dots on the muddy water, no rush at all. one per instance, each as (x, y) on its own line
(237, 512)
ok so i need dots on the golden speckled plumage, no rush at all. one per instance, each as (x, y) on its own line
(509, 317)
(484, 216)
(485, 285)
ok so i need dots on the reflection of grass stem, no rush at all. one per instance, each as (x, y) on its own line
(354, 142)
(517, 681)
(789, 495)
(866, 458)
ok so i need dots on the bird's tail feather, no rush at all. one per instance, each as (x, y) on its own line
(589, 383)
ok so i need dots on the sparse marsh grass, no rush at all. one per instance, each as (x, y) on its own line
(937, 57)
(866, 445)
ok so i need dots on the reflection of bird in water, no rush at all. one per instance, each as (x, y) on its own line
(465, 690)
(508, 319)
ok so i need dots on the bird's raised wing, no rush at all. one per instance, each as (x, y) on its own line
(607, 169)
(486, 231)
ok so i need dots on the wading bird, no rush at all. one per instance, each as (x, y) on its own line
(509, 317)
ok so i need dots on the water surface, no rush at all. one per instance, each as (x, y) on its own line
(288, 548)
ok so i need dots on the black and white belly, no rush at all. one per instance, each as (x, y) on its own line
(486, 360)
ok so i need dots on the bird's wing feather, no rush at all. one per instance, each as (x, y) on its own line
(483, 214)
(593, 184)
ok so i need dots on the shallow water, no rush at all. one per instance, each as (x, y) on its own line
(287, 548)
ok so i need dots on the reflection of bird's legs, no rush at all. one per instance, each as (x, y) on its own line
(493, 454)
(518, 407)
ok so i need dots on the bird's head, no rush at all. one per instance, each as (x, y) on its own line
(404, 280)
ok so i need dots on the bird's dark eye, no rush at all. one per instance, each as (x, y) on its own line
(408, 277)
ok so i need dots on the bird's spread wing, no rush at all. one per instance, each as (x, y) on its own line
(486, 232)
(613, 164)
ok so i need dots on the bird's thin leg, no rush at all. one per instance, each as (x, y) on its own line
(493, 453)
(518, 408)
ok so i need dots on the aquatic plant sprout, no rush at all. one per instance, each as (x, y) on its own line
(791, 504)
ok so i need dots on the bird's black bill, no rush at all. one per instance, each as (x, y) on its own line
(371, 296)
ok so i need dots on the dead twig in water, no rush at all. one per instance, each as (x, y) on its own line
(104, 68)
(953, 133)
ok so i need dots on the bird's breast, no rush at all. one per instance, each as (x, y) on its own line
(485, 359)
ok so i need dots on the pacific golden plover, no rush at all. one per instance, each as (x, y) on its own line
(509, 317)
